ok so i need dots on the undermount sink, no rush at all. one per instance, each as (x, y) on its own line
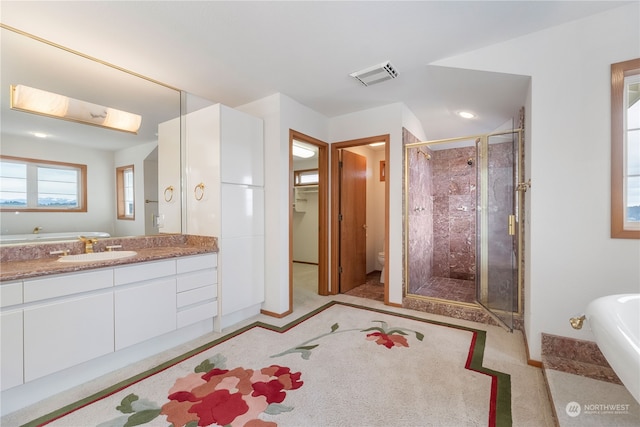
(97, 256)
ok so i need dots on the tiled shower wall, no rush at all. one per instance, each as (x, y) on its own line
(441, 214)
(454, 213)
(420, 218)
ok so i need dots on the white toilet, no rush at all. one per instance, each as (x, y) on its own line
(381, 261)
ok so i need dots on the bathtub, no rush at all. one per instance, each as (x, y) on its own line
(49, 237)
(615, 322)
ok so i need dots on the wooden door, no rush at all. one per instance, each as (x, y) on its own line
(352, 220)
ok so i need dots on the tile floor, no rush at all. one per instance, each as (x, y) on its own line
(450, 289)
(504, 351)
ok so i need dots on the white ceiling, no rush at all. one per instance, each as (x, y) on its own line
(235, 52)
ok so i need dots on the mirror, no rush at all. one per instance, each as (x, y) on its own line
(27, 60)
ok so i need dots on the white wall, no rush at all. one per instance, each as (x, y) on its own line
(132, 156)
(100, 188)
(571, 258)
(280, 113)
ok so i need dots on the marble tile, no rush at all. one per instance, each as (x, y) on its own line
(584, 402)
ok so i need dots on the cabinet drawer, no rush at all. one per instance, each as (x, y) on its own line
(197, 280)
(197, 313)
(198, 262)
(67, 284)
(195, 296)
(10, 294)
(145, 271)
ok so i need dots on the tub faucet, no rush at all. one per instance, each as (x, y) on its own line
(36, 230)
(88, 244)
(576, 322)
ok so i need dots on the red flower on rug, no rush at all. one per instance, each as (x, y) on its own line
(388, 341)
(216, 396)
(385, 335)
(225, 397)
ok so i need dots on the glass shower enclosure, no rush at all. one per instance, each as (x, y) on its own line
(462, 222)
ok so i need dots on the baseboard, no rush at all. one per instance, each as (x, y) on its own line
(277, 315)
(530, 361)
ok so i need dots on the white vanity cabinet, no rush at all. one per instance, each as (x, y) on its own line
(225, 198)
(145, 301)
(70, 322)
(11, 329)
(197, 289)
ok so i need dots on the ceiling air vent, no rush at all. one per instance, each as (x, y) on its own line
(375, 74)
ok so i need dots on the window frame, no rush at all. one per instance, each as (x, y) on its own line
(121, 193)
(81, 190)
(297, 177)
(619, 71)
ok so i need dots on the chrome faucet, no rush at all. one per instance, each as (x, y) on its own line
(36, 230)
(88, 244)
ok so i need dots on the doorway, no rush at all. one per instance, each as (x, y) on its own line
(360, 217)
(463, 204)
(308, 224)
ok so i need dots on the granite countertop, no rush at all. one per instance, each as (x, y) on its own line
(29, 261)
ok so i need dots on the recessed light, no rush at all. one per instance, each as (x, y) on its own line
(466, 115)
(39, 134)
(376, 144)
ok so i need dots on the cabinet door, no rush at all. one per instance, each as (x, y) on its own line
(242, 211)
(241, 148)
(65, 333)
(144, 311)
(242, 273)
(202, 192)
(11, 349)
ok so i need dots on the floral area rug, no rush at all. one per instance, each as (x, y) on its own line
(340, 365)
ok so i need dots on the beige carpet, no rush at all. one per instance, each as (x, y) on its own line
(341, 365)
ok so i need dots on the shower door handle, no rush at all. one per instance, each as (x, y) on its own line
(512, 225)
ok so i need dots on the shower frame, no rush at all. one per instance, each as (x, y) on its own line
(519, 187)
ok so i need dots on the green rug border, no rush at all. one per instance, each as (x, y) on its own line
(503, 416)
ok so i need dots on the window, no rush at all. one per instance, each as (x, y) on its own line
(625, 149)
(125, 193)
(32, 185)
(305, 177)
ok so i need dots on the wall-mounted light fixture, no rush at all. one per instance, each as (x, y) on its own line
(31, 100)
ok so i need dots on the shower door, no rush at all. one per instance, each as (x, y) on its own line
(498, 258)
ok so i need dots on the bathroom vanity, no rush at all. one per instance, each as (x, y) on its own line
(65, 323)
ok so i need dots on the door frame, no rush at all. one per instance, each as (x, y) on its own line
(335, 206)
(323, 179)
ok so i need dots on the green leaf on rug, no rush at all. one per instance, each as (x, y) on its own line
(277, 408)
(142, 417)
(217, 361)
(334, 327)
(204, 367)
(307, 347)
(125, 405)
